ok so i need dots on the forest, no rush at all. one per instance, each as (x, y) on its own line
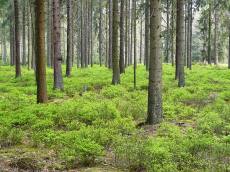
(115, 85)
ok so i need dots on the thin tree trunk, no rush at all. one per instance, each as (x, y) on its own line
(100, 32)
(229, 45)
(141, 35)
(216, 37)
(172, 34)
(115, 55)
(17, 37)
(122, 37)
(147, 34)
(180, 43)
(110, 32)
(168, 33)
(48, 39)
(209, 32)
(134, 44)
(40, 51)
(155, 65)
(24, 34)
(58, 80)
(69, 38)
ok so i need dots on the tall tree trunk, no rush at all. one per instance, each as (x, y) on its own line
(4, 51)
(155, 65)
(24, 34)
(91, 35)
(110, 32)
(69, 38)
(134, 44)
(180, 43)
(122, 37)
(115, 56)
(100, 32)
(86, 33)
(191, 30)
(147, 14)
(141, 35)
(17, 37)
(58, 80)
(229, 45)
(168, 33)
(126, 33)
(82, 35)
(49, 36)
(209, 32)
(40, 51)
(28, 36)
(172, 33)
(216, 37)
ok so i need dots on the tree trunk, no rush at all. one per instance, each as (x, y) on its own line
(209, 32)
(69, 38)
(110, 32)
(49, 36)
(141, 35)
(122, 37)
(28, 36)
(155, 65)
(216, 37)
(115, 56)
(24, 34)
(100, 32)
(180, 43)
(172, 34)
(147, 34)
(17, 37)
(40, 51)
(229, 45)
(58, 80)
(134, 44)
(168, 33)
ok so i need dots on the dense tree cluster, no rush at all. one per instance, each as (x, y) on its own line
(114, 33)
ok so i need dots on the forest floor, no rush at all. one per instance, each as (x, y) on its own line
(94, 126)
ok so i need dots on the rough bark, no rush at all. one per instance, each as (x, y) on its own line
(209, 32)
(180, 43)
(58, 80)
(100, 32)
(110, 32)
(17, 38)
(134, 45)
(24, 34)
(69, 38)
(147, 34)
(40, 51)
(155, 66)
(115, 55)
(122, 37)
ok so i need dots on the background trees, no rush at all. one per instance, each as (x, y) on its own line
(82, 33)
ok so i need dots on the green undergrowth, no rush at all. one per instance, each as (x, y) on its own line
(91, 122)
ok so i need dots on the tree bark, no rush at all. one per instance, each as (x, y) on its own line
(58, 80)
(40, 51)
(69, 38)
(155, 65)
(209, 32)
(17, 37)
(180, 44)
(147, 34)
(115, 56)
(134, 44)
(24, 34)
(122, 37)
(100, 32)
